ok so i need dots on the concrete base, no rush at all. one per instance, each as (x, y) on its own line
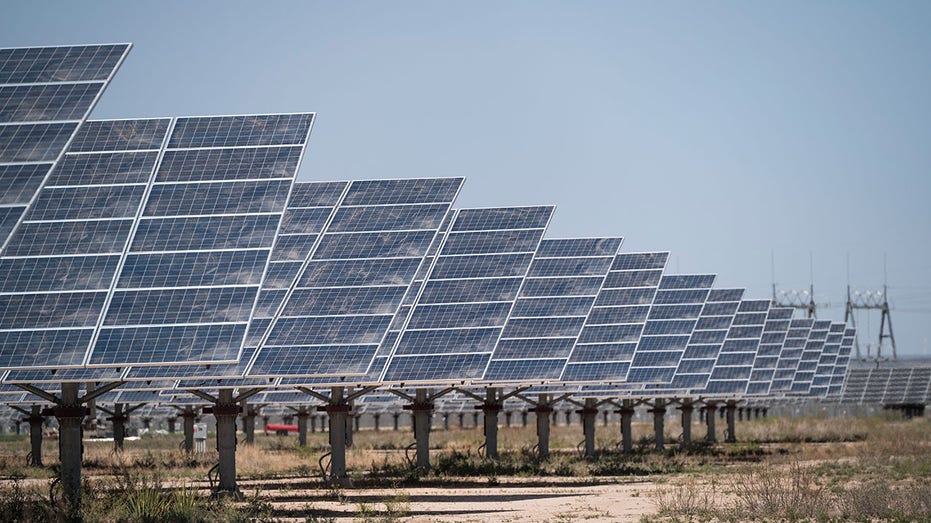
(711, 410)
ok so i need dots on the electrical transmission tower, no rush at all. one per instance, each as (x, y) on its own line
(871, 301)
(802, 300)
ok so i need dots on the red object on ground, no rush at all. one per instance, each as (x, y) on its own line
(279, 428)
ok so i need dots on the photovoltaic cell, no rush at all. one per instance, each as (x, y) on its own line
(45, 95)
(558, 293)
(616, 321)
(58, 268)
(843, 362)
(351, 285)
(796, 338)
(464, 303)
(321, 197)
(767, 357)
(213, 220)
(808, 361)
(731, 374)
(705, 342)
(672, 318)
(821, 382)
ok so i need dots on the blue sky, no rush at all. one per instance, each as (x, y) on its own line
(728, 133)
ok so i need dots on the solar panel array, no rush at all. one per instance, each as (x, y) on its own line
(609, 337)
(767, 356)
(352, 284)
(45, 95)
(557, 297)
(180, 253)
(463, 305)
(888, 386)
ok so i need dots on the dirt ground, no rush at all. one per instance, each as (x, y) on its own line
(512, 500)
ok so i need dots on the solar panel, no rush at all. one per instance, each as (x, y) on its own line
(188, 286)
(464, 304)
(45, 95)
(606, 345)
(918, 382)
(353, 282)
(189, 244)
(767, 356)
(380, 361)
(876, 385)
(58, 267)
(896, 386)
(821, 382)
(731, 374)
(843, 362)
(796, 338)
(705, 342)
(808, 362)
(309, 207)
(672, 318)
(560, 289)
(855, 385)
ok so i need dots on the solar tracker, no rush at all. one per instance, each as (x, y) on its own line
(778, 320)
(876, 384)
(462, 307)
(670, 322)
(843, 362)
(707, 338)
(352, 284)
(387, 344)
(855, 385)
(896, 386)
(560, 289)
(799, 328)
(731, 374)
(45, 95)
(704, 344)
(916, 389)
(606, 345)
(808, 362)
(58, 267)
(821, 381)
(309, 207)
(189, 242)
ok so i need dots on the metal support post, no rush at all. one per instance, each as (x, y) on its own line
(35, 420)
(395, 416)
(376, 421)
(226, 411)
(187, 423)
(659, 413)
(422, 411)
(711, 409)
(172, 424)
(731, 436)
(302, 416)
(338, 412)
(589, 415)
(70, 413)
(627, 416)
(542, 411)
(248, 422)
(491, 408)
(119, 420)
(687, 408)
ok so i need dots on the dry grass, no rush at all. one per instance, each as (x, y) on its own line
(845, 469)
